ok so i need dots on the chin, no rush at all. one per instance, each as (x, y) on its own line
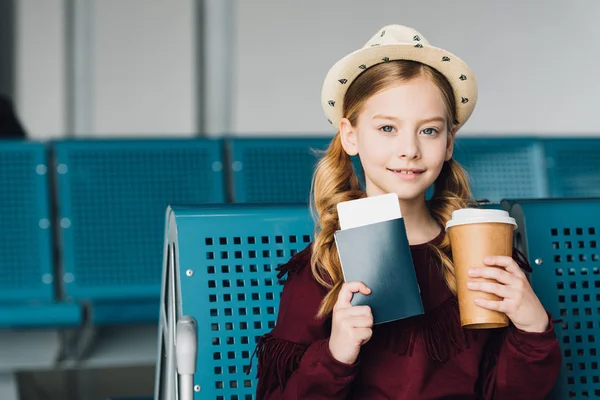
(406, 191)
(409, 198)
(405, 195)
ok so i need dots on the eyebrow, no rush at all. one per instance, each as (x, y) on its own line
(423, 121)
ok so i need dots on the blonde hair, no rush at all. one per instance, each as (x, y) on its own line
(335, 180)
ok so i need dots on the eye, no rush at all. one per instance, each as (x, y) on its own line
(387, 129)
(429, 131)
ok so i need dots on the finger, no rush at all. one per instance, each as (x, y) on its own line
(347, 291)
(506, 292)
(363, 334)
(507, 263)
(356, 311)
(359, 322)
(491, 305)
(497, 274)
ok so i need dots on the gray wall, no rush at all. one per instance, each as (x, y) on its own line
(536, 63)
(139, 74)
(40, 84)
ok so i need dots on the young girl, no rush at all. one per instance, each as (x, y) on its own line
(398, 103)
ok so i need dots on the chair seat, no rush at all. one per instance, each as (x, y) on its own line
(125, 312)
(28, 315)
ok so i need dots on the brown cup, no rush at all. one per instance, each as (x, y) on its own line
(475, 234)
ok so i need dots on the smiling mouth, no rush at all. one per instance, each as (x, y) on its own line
(409, 171)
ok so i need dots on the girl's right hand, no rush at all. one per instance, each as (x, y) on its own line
(351, 326)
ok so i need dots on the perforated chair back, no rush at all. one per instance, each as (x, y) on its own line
(222, 263)
(112, 196)
(273, 170)
(26, 261)
(573, 167)
(561, 240)
(503, 168)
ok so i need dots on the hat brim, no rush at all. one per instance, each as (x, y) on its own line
(346, 70)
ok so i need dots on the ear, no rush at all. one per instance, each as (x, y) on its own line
(450, 144)
(348, 137)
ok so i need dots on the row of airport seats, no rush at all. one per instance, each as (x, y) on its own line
(82, 221)
(221, 292)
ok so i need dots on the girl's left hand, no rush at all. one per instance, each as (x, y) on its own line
(519, 302)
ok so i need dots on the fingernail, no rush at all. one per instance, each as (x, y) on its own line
(487, 259)
(472, 271)
(470, 284)
(477, 301)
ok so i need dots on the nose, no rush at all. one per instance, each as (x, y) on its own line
(408, 147)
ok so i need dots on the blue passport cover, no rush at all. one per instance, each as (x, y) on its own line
(379, 256)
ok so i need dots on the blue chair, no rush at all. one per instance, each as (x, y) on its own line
(131, 398)
(31, 315)
(219, 274)
(561, 240)
(27, 276)
(111, 200)
(273, 170)
(502, 168)
(573, 167)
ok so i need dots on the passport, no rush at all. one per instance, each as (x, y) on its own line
(378, 254)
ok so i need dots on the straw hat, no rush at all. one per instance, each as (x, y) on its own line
(397, 42)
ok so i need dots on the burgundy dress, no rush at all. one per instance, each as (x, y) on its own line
(424, 357)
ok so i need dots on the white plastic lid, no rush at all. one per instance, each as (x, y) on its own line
(466, 216)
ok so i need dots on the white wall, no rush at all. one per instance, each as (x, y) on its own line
(141, 78)
(536, 62)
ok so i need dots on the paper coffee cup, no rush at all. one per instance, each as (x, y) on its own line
(474, 234)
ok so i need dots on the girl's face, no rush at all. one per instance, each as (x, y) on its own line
(402, 139)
